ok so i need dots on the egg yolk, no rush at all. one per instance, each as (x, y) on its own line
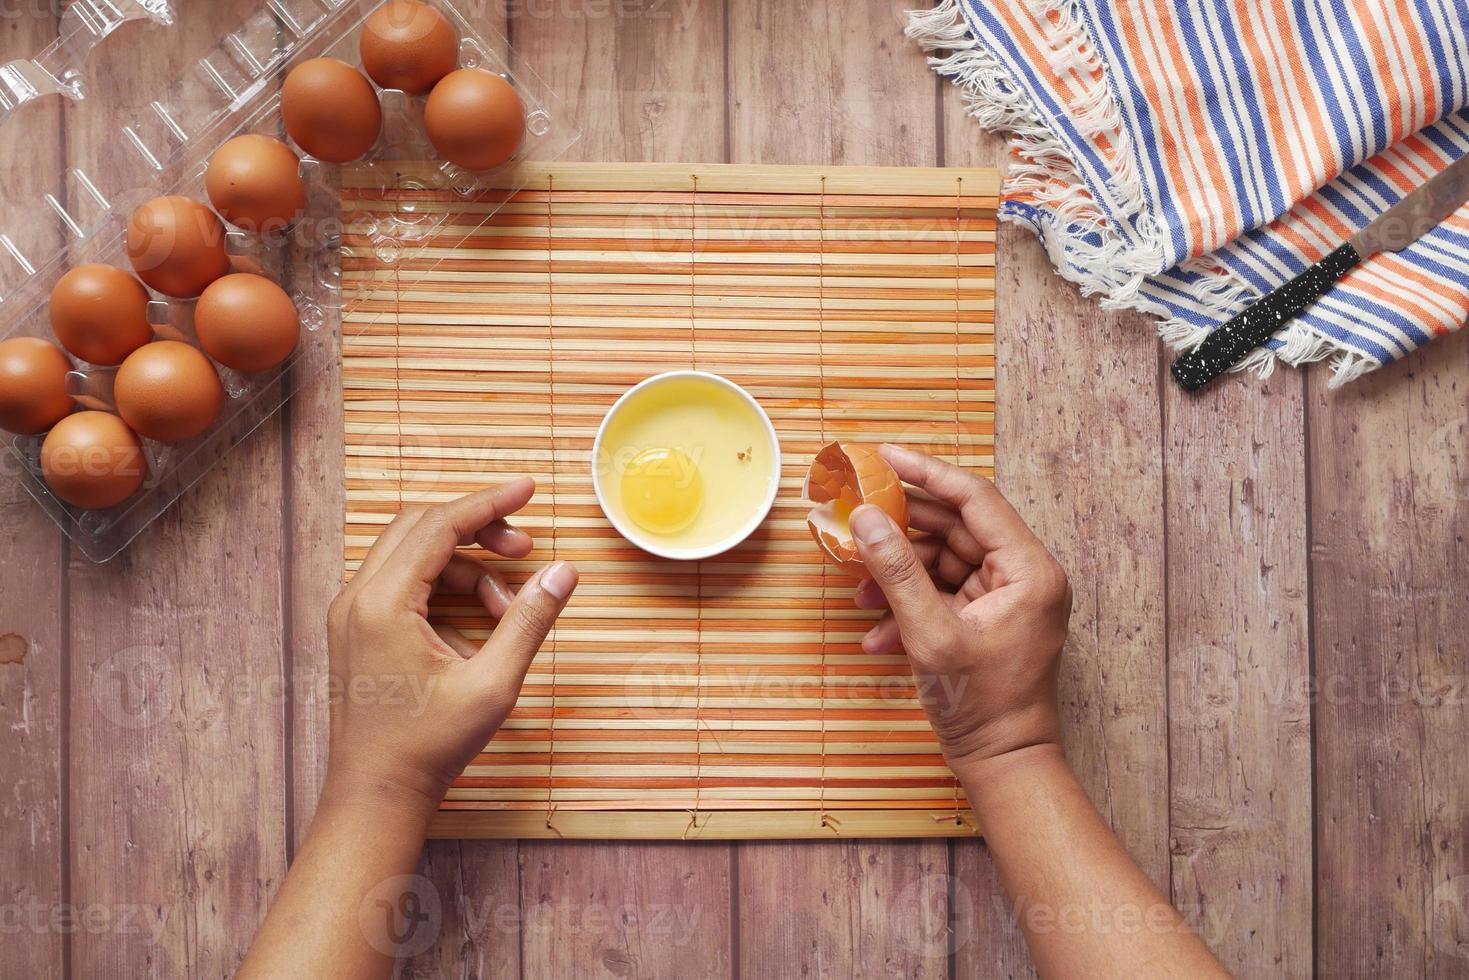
(662, 490)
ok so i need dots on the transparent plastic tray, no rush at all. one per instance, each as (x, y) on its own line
(232, 90)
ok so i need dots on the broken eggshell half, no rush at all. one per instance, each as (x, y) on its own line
(842, 477)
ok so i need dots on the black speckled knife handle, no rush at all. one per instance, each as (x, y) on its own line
(1224, 348)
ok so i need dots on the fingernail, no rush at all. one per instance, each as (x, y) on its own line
(867, 640)
(559, 579)
(870, 524)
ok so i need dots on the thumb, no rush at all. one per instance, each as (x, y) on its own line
(894, 566)
(507, 654)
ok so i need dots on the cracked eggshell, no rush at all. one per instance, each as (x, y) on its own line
(841, 478)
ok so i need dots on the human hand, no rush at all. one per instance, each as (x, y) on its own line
(451, 695)
(984, 649)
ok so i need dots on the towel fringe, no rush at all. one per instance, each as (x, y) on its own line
(1081, 243)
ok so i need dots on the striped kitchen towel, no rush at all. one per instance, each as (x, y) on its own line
(1185, 157)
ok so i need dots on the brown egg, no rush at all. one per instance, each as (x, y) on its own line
(255, 182)
(176, 246)
(92, 460)
(408, 46)
(100, 313)
(475, 119)
(330, 110)
(843, 477)
(167, 391)
(247, 322)
(32, 385)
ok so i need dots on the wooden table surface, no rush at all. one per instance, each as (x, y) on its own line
(1265, 688)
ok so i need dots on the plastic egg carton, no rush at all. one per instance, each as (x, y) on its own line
(232, 90)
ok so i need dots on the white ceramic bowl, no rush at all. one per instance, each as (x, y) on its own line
(648, 542)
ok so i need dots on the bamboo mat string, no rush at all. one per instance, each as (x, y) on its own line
(555, 549)
(826, 818)
(698, 565)
(397, 378)
(958, 378)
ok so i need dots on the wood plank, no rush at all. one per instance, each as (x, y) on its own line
(478, 888)
(627, 910)
(1389, 458)
(33, 642)
(859, 908)
(644, 87)
(810, 84)
(644, 81)
(1239, 720)
(178, 783)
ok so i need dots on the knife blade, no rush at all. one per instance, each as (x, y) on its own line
(1418, 213)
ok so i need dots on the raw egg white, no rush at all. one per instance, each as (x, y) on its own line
(685, 463)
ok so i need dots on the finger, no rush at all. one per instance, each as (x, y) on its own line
(987, 514)
(427, 547)
(505, 539)
(884, 638)
(944, 522)
(389, 539)
(467, 575)
(941, 561)
(893, 564)
(508, 652)
(456, 641)
(869, 595)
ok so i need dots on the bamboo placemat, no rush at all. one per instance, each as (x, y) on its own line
(721, 699)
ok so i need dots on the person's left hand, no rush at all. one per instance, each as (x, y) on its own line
(413, 703)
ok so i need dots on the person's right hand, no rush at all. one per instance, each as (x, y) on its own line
(984, 648)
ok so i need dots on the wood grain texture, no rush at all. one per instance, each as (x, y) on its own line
(1239, 718)
(816, 83)
(176, 648)
(853, 908)
(625, 910)
(643, 79)
(33, 642)
(478, 887)
(1390, 558)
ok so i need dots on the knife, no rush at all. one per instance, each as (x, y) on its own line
(1422, 210)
